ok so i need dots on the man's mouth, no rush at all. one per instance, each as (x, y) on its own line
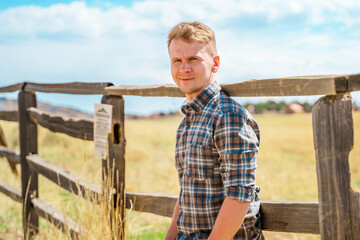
(186, 78)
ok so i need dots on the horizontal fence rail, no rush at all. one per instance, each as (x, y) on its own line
(11, 155)
(304, 217)
(65, 179)
(11, 192)
(286, 216)
(11, 116)
(57, 218)
(68, 88)
(76, 127)
(289, 86)
(11, 88)
(159, 204)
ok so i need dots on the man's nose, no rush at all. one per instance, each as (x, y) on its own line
(185, 66)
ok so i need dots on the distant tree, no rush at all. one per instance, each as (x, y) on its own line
(280, 106)
(307, 107)
(271, 106)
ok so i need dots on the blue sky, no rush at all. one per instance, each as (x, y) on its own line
(124, 42)
(102, 4)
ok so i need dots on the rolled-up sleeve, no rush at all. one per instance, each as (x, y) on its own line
(237, 141)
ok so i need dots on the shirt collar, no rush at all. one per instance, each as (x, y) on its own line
(200, 101)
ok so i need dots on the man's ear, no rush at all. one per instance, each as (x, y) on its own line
(216, 65)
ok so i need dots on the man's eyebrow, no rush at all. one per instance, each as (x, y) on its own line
(189, 57)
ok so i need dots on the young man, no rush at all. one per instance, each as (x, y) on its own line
(216, 146)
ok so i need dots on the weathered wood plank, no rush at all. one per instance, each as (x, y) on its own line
(354, 83)
(355, 216)
(114, 165)
(69, 88)
(333, 140)
(299, 217)
(3, 143)
(58, 219)
(160, 204)
(76, 127)
(11, 192)
(11, 88)
(29, 178)
(288, 86)
(169, 90)
(11, 116)
(11, 155)
(65, 179)
(291, 86)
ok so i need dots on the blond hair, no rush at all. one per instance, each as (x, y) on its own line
(194, 32)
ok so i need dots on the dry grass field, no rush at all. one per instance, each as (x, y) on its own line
(286, 171)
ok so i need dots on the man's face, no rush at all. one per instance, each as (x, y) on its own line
(192, 67)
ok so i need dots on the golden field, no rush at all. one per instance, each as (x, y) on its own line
(286, 171)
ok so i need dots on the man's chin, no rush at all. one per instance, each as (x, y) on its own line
(188, 91)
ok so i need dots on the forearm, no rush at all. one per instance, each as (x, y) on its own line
(172, 232)
(229, 219)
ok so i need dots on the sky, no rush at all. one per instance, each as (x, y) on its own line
(124, 42)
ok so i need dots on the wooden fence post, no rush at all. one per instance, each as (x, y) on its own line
(29, 178)
(333, 140)
(116, 157)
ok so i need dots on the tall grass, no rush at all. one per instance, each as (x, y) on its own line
(286, 171)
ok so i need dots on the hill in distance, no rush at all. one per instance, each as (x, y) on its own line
(11, 105)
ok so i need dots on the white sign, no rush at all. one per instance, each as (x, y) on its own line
(102, 127)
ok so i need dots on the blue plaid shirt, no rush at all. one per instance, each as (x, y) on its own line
(216, 150)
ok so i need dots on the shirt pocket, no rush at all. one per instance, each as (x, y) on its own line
(200, 161)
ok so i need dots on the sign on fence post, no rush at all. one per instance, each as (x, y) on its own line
(102, 127)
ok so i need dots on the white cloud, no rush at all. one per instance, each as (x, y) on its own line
(127, 45)
(79, 19)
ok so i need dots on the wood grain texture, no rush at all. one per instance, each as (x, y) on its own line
(76, 127)
(353, 83)
(11, 88)
(29, 178)
(333, 140)
(288, 86)
(65, 179)
(69, 88)
(298, 217)
(11, 116)
(11, 192)
(160, 204)
(114, 165)
(11, 155)
(355, 214)
(169, 90)
(58, 219)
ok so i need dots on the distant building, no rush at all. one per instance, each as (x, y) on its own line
(294, 108)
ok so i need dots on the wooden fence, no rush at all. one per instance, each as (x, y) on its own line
(335, 216)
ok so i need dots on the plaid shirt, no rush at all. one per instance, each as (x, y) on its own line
(216, 149)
